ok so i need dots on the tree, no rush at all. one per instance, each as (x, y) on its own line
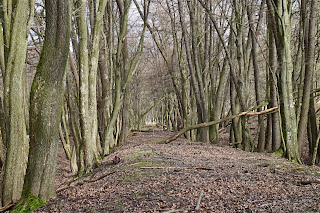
(309, 32)
(46, 102)
(123, 69)
(13, 47)
(88, 65)
(193, 65)
(281, 24)
(257, 82)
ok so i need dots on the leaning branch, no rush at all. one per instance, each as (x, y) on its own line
(211, 123)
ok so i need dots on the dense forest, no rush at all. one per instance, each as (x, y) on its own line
(85, 74)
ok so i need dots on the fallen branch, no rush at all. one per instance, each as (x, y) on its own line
(308, 182)
(84, 180)
(149, 129)
(2, 209)
(199, 200)
(211, 123)
(194, 168)
(171, 211)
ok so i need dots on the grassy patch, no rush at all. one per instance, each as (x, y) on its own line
(139, 159)
(30, 204)
(132, 176)
(143, 153)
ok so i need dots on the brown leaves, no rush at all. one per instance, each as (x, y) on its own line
(171, 177)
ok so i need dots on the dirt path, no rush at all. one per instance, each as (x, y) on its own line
(170, 178)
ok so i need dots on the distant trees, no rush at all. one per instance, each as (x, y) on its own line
(223, 46)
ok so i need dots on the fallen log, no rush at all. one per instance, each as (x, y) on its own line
(211, 123)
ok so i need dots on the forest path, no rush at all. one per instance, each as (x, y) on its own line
(171, 177)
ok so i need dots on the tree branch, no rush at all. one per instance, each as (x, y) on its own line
(211, 123)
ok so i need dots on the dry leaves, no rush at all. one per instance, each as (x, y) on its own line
(169, 178)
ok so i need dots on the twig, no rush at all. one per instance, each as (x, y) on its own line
(172, 210)
(199, 200)
(161, 167)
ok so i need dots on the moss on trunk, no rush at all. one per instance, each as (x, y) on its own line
(46, 101)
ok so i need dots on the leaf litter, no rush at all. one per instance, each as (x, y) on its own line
(186, 176)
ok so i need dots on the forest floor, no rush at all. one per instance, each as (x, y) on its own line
(146, 177)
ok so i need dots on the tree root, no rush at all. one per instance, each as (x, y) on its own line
(2, 209)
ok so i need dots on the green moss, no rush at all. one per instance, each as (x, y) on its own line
(140, 154)
(144, 164)
(138, 196)
(112, 202)
(29, 204)
(115, 203)
(278, 153)
(132, 177)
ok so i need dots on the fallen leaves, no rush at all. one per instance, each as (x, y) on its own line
(176, 177)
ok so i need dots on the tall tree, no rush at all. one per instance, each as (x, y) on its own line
(309, 40)
(13, 48)
(281, 23)
(272, 72)
(46, 102)
(193, 66)
(88, 64)
(257, 82)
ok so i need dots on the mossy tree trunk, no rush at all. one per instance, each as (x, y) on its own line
(124, 72)
(46, 101)
(88, 64)
(123, 7)
(198, 81)
(281, 21)
(14, 25)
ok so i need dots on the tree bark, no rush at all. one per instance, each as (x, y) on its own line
(258, 92)
(281, 19)
(13, 55)
(309, 48)
(46, 102)
(272, 60)
(88, 74)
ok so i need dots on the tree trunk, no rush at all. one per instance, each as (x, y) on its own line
(272, 60)
(258, 92)
(88, 74)
(281, 13)
(14, 47)
(310, 40)
(46, 102)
